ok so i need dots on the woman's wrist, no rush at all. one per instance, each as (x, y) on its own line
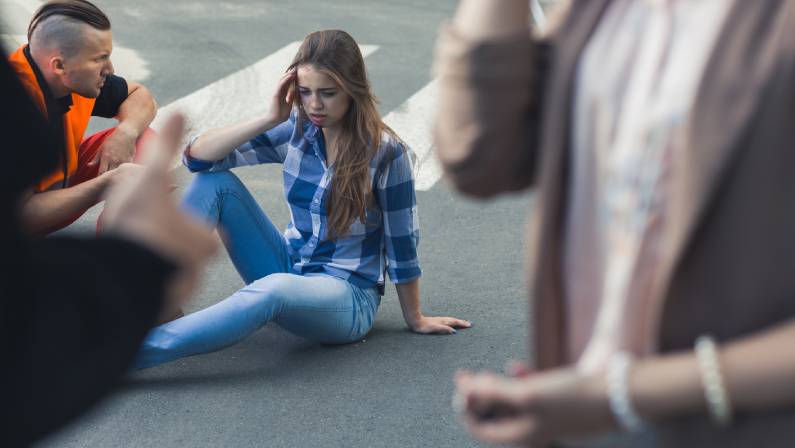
(595, 393)
(409, 296)
(413, 319)
(664, 386)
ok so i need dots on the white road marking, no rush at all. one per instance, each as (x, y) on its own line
(13, 41)
(244, 94)
(413, 122)
(537, 12)
(15, 15)
(126, 61)
(129, 64)
(28, 5)
(240, 96)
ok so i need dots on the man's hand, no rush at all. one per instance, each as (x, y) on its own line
(124, 173)
(117, 149)
(139, 208)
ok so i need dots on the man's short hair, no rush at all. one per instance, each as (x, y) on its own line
(58, 22)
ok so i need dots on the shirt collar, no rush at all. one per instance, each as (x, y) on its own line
(62, 104)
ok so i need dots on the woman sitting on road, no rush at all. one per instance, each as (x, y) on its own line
(349, 186)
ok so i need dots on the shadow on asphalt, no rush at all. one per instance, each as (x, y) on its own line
(287, 356)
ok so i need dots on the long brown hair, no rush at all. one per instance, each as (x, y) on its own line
(336, 54)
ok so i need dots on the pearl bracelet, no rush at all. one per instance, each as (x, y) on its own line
(715, 392)
(618, 393)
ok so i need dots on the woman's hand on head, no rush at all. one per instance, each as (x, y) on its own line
(282, 100)
(438, 325)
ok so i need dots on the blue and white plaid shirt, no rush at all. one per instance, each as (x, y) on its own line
(386, 241)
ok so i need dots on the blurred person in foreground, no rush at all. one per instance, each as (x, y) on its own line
(659, 137)
(66, 70)
(71, 316)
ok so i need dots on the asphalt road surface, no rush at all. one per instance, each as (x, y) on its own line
(213, 60)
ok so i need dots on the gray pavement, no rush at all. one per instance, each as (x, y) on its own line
(274, 389)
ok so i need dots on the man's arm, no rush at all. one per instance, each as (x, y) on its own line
(44, 211)
(138, 110)
(135, 114)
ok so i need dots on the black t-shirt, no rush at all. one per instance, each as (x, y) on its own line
(113, 93)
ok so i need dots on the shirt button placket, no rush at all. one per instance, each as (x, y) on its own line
(315, 209)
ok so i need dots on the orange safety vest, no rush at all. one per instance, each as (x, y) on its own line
(75, 121)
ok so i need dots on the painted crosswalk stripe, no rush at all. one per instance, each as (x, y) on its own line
(244, 95)
(12, 41)
(238, 97)
(28, 5)
(127, 62)
(413, 122)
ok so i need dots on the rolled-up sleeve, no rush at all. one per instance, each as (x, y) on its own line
(398, 200)
(487, 125)
(268, 147)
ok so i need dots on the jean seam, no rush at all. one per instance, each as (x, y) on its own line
(304, 308)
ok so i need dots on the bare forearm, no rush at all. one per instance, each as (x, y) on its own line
(216, 144)
(757, 371)
(666, 386)
(760, 369)
(42, 211)
(137, 111)
(409, 296)
(491, 19)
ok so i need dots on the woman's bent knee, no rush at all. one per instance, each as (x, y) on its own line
(216, 179)
(272, 291)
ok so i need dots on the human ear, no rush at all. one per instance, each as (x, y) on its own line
(57, 65)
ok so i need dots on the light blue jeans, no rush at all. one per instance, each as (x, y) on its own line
(319, 307)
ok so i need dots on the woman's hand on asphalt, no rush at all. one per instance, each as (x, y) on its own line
(438, 325)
